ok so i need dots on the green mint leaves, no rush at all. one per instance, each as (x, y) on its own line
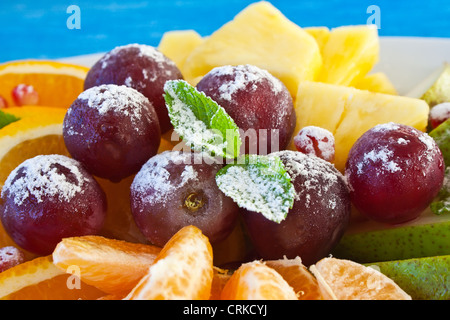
(258, 183)
(255, 182)
(200, 121)
(6, 118)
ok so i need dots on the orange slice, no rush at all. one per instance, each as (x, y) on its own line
(348, 280)
(183, 270)
(39, 279)
(256, 281)
(113, 266)
(57, 84)
(299, 278)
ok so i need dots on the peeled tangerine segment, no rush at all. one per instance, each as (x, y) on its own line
(259, 35)
(348, 280)
(349, 54)
(351, 112)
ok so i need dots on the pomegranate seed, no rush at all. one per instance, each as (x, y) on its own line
(25, 95)
(3, 103)
(439, 114)
(9, 257)
(316, 141)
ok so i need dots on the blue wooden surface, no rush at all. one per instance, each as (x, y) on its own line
(38, 29)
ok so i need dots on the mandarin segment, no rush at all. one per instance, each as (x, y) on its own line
(349, 280)
(256, 281)
(182, 270)
(113, 266)
(299, 278)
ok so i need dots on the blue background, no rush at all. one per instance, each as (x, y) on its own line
(37, 29)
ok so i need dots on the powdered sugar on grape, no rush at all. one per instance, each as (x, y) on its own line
(155, 177)
(40, 177)
(119, 99)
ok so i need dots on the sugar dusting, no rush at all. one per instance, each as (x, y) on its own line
(383, 156)
(124, 100)
(324, 138)
(154, 176)
(144, 51)
(41, 178)
(243, 75)
(318, 176)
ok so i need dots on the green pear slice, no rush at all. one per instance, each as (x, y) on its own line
(439, 92)
(422, 278)
(368, 241)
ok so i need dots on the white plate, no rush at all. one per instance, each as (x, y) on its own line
(411, 63)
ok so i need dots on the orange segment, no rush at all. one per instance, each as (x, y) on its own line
(256, 281)
(299, 278)
(220, 278)
(113, 266)
(39, 279)
(348, 280)
(58, 84)
(183, 270)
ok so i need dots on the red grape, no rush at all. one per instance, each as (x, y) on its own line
(47, 198)
(175, 189)
(317, 219)
(140, 67)
(394, 171)
(113, 130)
(259, 103)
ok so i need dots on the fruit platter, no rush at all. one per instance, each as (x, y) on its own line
(265, 161)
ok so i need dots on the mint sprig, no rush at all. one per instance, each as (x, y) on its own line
(6, 118)
(258, 183)
(200, 121)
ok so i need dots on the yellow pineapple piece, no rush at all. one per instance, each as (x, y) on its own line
(178, 44)
(259, 35)
(349, 54)
(348, 113)
(321, 34)
(376, 82)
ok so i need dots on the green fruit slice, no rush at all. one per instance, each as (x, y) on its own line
(440, 91)
(422, 278)
(368, 241)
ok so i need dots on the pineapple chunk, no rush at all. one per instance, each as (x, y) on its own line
(349, 54)
(376, 82)
(259, 35)
(321, 34)
(178, 44)
(348, 113)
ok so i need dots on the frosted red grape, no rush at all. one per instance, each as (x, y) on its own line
(317, 220)
(394, 172)
(175, 189)
(141, 67)
(259, 103)
(113, 130)
(50, 197)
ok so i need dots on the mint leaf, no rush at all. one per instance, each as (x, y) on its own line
(258, 183)
(200, 121)
(6, 118)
